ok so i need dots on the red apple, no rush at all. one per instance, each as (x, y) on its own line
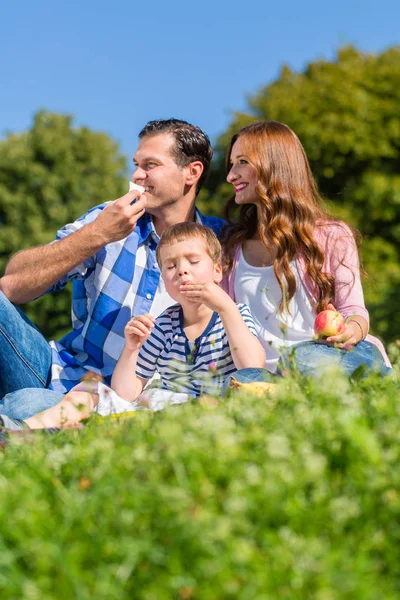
(327, 323)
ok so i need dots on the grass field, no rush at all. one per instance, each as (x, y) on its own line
(293, 496)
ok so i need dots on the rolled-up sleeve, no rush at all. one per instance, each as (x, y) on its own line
(81, 270)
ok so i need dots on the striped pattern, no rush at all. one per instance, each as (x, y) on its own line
(103, 301)
(196, 370)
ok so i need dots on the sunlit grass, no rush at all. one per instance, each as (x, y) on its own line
(290, 495)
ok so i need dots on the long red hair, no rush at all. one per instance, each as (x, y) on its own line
(288, 212)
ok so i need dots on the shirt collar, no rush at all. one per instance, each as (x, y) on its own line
(147, 229)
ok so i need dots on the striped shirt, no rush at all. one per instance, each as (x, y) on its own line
(109, 288)
(195, 368)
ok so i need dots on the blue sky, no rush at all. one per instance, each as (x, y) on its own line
(115, 65)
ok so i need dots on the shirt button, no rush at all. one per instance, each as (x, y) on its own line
(148, 296)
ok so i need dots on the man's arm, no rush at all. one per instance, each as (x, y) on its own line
(32, 272)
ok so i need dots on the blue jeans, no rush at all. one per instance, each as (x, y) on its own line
(311, 359)
(25, 365)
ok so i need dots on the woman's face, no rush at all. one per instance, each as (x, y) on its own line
(242, 176)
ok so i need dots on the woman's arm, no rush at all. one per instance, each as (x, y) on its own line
(342, 256)
(343, 262)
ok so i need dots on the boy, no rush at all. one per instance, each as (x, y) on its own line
(197, 343)
(194, 345)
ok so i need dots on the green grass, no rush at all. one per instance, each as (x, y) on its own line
(295, 496)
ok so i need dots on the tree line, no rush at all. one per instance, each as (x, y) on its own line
(346, 113)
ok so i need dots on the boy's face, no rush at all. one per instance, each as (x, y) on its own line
(187, 262)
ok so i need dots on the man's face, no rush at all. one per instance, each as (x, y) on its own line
(187, 262)
(156, 170)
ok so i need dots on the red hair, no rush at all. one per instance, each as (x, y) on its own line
(288, 212)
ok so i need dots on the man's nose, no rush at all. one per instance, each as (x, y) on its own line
(138, 174)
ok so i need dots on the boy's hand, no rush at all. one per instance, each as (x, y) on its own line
(137, 330)
(208, 293)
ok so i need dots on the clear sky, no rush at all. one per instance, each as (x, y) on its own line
(116, 64)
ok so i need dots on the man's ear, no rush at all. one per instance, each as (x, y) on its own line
(194, 171)
(217, 273)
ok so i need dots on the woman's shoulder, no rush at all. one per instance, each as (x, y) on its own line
(329, 229)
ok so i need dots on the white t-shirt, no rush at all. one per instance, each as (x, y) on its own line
(259, 289)
(162, 299)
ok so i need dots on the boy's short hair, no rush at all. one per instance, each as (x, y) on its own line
(186, 231)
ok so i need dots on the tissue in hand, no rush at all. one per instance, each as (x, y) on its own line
(135, 186)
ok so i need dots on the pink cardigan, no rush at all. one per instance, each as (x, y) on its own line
(341, 259)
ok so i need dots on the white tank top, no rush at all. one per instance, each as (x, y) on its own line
(259, 289)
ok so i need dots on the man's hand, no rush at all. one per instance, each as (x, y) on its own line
(208, 293)
(118, 219)
(137, 330)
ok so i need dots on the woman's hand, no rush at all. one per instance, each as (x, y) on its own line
(348, 338)
(137, 330)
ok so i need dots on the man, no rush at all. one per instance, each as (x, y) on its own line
(110, 254)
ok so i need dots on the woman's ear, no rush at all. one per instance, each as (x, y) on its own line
(217, 273)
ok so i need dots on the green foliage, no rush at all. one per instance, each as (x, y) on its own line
(293, 496)
(347, 115)
(49, 176)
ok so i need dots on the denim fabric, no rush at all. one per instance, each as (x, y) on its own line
(312, 359)
(25, 355)
(249, 375)
(12, 424)
(22, 404)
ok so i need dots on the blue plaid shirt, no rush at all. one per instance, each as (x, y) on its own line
(102, 300)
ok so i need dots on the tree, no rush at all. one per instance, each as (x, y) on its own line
(50, 175)
(347, 115)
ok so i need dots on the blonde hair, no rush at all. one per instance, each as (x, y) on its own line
(187, 231)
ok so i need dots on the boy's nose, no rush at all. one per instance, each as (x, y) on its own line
(182, 271)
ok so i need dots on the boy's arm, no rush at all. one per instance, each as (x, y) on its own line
(124, 381)
(245, 348)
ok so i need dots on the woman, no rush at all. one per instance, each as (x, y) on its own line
(288, 259)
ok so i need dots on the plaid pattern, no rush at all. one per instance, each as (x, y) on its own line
(109, 288)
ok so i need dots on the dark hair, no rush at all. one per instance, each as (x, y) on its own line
(187, 231)
(191, 143)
